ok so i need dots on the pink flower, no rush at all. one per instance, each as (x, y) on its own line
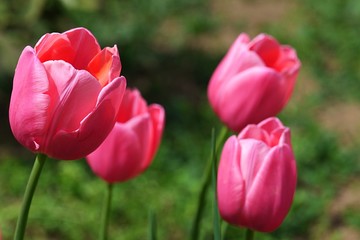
(253, 81)
(257, 176)
(133, 142)
(66, 94)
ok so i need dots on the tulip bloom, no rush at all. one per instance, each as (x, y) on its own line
(257, 176)
(66, 94)
(253, 81)
(133, 142)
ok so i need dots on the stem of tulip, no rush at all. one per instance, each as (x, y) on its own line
(217, 225)
(106, 213)
(194, 232)
(224, 227)
(249, 234)
(152, 226)
(29, 193)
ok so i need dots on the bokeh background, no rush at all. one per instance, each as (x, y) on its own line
(169, 50)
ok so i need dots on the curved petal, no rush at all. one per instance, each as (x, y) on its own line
(29, 104)
(289, 65)
(157, 115)
(279, 134)
(233, 61)
(106, 65)
(288, 61)
(273, 190)
(228, 68)
(254, 132)
(85, 46)
(267, 48)
(93, 128)
(132, 105)
(126, 106)
(55, 46)
(230, 183)
(118, 158)
(253, 153)
(142, 127)
(270, 124)
(114, 91)
(75, 95)
(250, 97)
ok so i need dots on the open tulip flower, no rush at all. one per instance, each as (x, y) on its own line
(253, 81)
(131, 145)
(66, 94)
(257, 176)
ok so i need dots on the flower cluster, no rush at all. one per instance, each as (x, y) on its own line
(70, 102)
(257, 171)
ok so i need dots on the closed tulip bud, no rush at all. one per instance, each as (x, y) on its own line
(66, 94)
(257, 177)
(133, 142)
(253, 81)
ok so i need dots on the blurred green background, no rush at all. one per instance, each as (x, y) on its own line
(169, 50)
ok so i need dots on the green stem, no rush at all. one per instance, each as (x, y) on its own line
(217, 228)
(224, 227)
(249, 234)
(204, 188)
(29, 193)
(152, 226)
(106, 213)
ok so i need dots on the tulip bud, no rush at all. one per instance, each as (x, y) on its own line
(253, 81)
(132, 144)
(257, 176)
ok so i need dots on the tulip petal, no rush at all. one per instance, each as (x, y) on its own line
(84, 44)
(267, 48)
(233, 61)
(273, 190)
(128, 155)
(253, 153)
(157, 115)
(114, 91)
(132, 105)
(29, 104)
(76, 92)
(94, 127)
(278, 134)
(55, 46)
(270, 124)
(236, 60)
(143, 128)
(230, 183)
(289, 65)
(250, 97)
(254, 132)
(288, 62)
(106, 65)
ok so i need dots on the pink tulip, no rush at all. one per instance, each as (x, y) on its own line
(253, 81)
(257, 176)
(66, 94)
(133, 142)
